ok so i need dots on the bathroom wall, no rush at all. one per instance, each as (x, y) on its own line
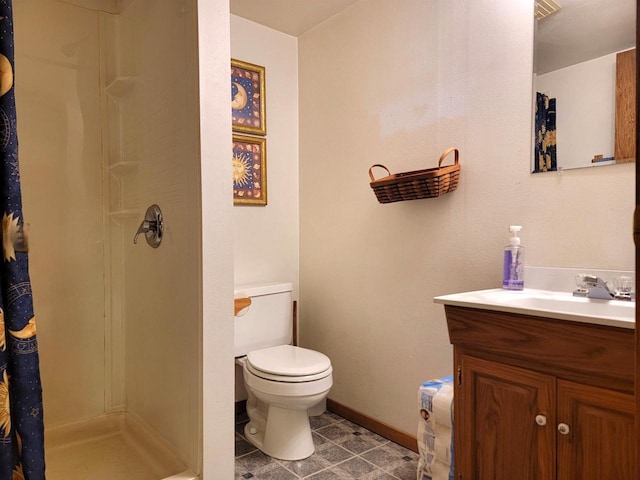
(396, 83)
(58, 103)
(266, 239)
(110, 6)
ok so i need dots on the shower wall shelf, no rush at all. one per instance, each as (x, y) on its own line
(123, 168)
(120, 86)
(125, 214)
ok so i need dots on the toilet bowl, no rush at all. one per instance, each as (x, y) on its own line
(282, 383)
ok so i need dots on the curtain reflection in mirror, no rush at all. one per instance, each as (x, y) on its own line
(545, 120)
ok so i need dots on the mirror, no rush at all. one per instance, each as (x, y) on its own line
(584, 84)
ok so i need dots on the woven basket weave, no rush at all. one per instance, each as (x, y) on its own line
(428, 183)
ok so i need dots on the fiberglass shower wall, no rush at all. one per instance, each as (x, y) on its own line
(57, 66)
(107, 119)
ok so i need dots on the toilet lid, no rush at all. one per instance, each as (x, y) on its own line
(290, 361)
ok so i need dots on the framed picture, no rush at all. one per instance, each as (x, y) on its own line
(248, 104)
(249, 170)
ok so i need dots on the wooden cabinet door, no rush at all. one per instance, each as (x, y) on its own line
(505, 422)
(599, 442)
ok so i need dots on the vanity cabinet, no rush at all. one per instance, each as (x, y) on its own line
(597, 441)
(541, 399)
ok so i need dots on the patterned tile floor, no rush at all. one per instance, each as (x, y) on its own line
(344, 451)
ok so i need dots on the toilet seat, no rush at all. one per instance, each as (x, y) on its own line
(286, 363)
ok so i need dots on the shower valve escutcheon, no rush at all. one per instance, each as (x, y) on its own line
(152, 226)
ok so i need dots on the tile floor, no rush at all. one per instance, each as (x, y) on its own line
(344, 451)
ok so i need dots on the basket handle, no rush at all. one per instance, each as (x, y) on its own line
(373, 179)
(447, 152)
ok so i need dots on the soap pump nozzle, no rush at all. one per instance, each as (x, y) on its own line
(515, 239)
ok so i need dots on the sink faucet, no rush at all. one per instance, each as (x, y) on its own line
(596, 287)
(592, 286)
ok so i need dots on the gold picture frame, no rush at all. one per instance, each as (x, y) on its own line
(248, 102)
(249, 170)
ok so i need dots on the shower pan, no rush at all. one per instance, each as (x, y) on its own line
(107, 125)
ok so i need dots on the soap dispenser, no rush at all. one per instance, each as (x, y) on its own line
(512, 278)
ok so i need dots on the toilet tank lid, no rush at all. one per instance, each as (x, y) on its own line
(258, 289)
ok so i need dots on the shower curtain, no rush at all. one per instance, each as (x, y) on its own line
(21, 420)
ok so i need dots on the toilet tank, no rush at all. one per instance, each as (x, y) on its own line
(268, 321)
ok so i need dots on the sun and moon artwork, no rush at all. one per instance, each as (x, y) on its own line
(248, 105)
(249, 170)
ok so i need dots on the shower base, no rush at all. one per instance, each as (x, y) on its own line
(111, 447)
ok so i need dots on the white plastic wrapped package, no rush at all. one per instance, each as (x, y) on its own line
(435, 430)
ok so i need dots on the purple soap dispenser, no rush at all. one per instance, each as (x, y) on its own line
(512, 278)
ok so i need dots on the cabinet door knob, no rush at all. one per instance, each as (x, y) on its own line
(541, 420)
(563, 428)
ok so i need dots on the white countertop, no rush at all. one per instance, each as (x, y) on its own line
(549, 304)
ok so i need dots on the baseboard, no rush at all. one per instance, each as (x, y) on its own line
(376, 426)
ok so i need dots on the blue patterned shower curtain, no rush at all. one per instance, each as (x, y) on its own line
(21, 421)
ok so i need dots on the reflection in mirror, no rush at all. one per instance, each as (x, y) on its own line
(584, 84)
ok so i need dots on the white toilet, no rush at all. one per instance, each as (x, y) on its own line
(282, 381)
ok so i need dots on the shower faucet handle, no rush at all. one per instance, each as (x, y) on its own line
(152, 226)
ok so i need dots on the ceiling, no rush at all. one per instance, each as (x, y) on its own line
(294, 17)
(580, 31)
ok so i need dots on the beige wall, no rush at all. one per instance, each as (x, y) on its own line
(266, 238)
(58, 102)
(396, 83)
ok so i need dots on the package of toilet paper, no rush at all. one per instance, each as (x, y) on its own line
(435, 399)
(435, 430)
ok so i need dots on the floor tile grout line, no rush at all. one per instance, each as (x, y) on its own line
(330, 466)
(353, 455)
(344, 461)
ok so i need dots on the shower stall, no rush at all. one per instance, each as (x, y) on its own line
(107, 101)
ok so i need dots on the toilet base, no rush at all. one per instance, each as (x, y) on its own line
(286, 435)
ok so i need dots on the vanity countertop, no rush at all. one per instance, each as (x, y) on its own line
(549, 304)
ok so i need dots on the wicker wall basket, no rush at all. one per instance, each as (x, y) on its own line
(428, 183)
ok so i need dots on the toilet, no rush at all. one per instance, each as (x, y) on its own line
(283, 383)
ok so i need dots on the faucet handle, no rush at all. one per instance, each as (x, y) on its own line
(623, 287)
(152, 226)
(582, 289)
